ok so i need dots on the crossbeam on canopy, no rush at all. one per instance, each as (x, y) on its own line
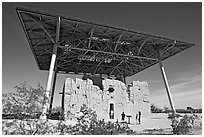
(87, 47)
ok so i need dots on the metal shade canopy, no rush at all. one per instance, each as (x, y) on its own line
(87, 47)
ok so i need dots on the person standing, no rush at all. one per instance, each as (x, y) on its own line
(111, 114)
(123, 116)
(136, 118)
(139, 118)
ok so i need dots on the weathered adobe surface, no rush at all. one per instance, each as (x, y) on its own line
(114, 99)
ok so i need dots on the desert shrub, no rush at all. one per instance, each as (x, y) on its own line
(167, 110)
(28, 127)
(155, 109)
(21, 110)
(183, 111)
(182, 126)
(88, 124)
(25, 100)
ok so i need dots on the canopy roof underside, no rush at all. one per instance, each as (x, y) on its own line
(87, 47)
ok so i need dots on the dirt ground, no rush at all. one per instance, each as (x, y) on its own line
(159, 124)
(155, 121)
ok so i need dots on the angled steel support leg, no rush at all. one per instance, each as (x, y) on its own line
(50, 75)
(49, 81)
(53, 90)
(166, 82)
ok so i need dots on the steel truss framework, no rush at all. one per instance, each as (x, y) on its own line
(87, 47)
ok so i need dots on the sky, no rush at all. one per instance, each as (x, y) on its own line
(181, 21)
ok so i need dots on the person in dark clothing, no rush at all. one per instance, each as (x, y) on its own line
(136, 118)
(139, 118)
(123, 116)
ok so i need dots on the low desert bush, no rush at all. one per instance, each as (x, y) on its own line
(87, 124)
(182, 125)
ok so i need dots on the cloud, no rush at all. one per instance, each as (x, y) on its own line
(180, 78)
(181, 84)
(184, 92)
(181, 100)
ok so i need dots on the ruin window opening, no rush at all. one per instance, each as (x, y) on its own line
(111, 89)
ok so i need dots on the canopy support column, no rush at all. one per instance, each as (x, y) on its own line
(49, 81)
(53, 89)
(166, 82)
(50, 75)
